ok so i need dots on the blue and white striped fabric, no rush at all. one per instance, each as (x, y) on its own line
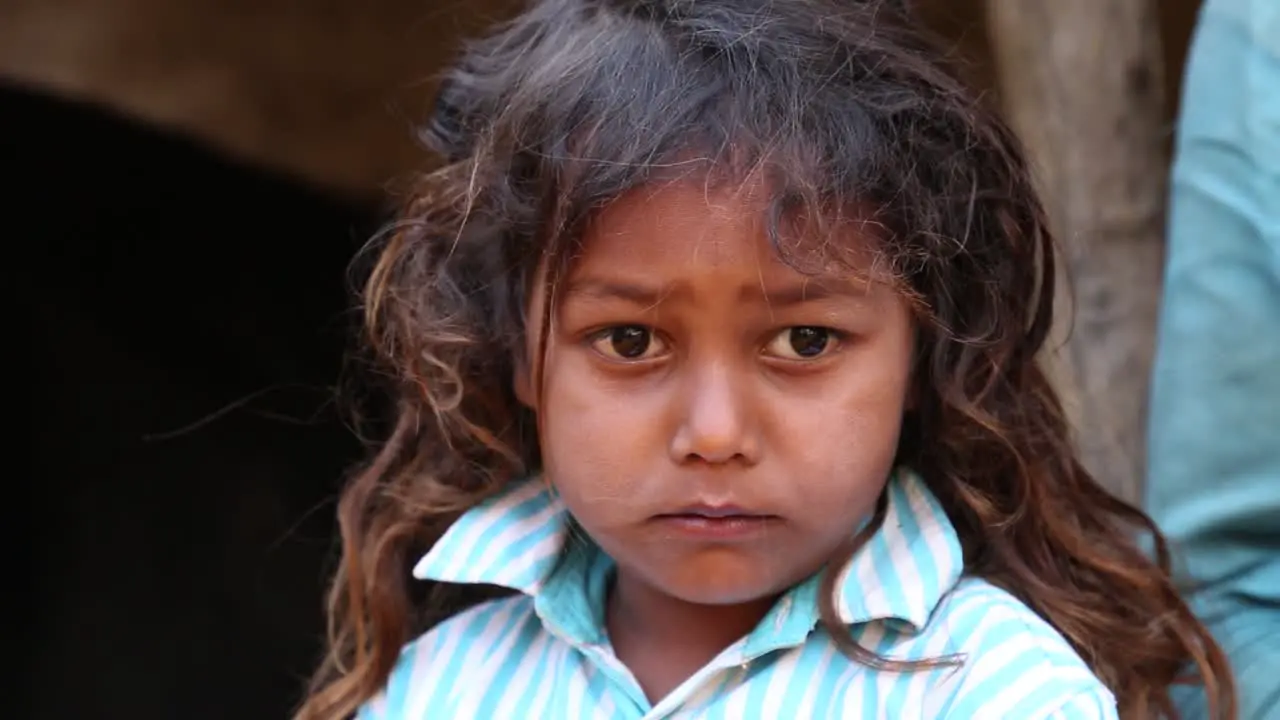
(544, 653)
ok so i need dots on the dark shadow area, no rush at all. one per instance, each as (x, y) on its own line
(168, 567)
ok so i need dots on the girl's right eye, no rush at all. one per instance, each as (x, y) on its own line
(628, 343)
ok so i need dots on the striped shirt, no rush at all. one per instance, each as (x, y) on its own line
(544, 652)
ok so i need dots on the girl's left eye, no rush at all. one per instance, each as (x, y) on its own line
(628, 343)
(803, 342)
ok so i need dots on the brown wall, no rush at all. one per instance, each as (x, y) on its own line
(327, 89)
(963, 22)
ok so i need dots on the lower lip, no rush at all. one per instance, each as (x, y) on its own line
(717, 528)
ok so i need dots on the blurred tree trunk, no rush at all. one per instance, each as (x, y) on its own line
(1083, 84)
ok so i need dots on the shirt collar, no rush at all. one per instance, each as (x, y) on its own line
(524, 539)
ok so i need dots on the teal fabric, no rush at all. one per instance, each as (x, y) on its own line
(1214, 445)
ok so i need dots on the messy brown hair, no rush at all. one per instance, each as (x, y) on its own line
(846, 104)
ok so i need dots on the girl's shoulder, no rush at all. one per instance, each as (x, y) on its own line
(979, 615)
(432, 670)
(1009, 661)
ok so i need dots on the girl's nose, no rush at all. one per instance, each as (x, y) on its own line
(715, 425)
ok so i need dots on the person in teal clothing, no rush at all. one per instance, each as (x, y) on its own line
(1214, 483)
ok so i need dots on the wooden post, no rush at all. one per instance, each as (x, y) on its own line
(1083, 85)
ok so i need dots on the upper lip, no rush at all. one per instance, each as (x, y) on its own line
(716, 510)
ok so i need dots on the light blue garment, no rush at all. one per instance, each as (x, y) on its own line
(544, 653)
(1214, 483)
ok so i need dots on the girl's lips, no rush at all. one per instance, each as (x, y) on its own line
(716, 511)
(717, 523)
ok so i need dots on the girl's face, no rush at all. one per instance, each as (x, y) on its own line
(716, 421)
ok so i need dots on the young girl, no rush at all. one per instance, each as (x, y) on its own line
(714, 343)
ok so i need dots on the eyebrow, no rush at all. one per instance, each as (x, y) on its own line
(795, 293)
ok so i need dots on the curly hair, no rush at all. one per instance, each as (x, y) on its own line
(575, 102)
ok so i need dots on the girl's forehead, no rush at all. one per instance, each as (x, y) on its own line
(685, 208)
(690, 223)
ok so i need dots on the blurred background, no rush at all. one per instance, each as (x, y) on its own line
(188, 181)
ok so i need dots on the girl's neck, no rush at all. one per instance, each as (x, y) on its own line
(664, 640)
